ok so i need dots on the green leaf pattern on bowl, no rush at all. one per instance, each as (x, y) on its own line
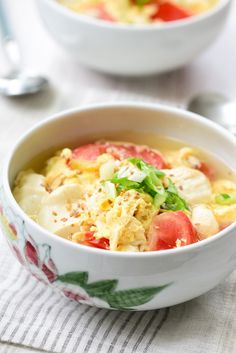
(106, 290)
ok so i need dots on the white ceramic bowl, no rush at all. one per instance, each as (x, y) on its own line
(138, 281)
(132, 50)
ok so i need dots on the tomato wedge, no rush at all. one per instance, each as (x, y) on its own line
(103, 14)
(150, 156)
(90, 240)
(171, 229)
(207, 170)
(92, 151)
(88, 152)
(170, 12)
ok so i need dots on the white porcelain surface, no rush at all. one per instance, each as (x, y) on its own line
(187, 272)
(132, 50)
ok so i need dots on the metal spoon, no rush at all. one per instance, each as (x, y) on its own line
(17, 82)
(216, 107)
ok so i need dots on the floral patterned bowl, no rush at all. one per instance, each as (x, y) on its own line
(107, 279)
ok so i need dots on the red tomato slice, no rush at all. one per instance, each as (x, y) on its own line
(90, 240)
(103, 14)
(153, 157)
(170, 12)
(88, 152)
(223, 226)
(92, 151)
(207, 170)
(150, 156)
(170, 228)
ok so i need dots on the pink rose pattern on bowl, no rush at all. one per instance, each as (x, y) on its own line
(38, 260)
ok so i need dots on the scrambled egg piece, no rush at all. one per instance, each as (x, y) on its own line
(129, 218)
(223, 186)
(196, 6)
(225, 214)
(186, 156)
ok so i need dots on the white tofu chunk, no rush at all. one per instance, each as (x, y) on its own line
(192, 185)
(55, 214)
(204, 221)
(30, 191)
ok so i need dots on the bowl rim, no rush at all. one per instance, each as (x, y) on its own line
(183, 114)
(137, 27)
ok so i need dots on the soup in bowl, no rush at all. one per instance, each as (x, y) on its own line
(127, 197)
(139, 48)
(139, 11)
(123, 206)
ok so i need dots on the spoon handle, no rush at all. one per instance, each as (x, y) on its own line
(9, 44)
(5, 27)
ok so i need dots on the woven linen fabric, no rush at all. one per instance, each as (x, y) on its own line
(33, 315)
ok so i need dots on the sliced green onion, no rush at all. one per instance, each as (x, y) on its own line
(137, 176)
(172, 187)
(159, 200)
(107, 170)
(145, 167)
(225, 199)
(131, 173)
(141, 2)
(125, 183)
(123, 172)
(110, 190)
(149, 180)
(174, 202)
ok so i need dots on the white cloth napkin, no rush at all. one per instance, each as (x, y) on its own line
(31, 314)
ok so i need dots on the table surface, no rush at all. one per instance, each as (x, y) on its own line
(71, 84)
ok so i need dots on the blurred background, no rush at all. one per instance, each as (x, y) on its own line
(73, 84)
